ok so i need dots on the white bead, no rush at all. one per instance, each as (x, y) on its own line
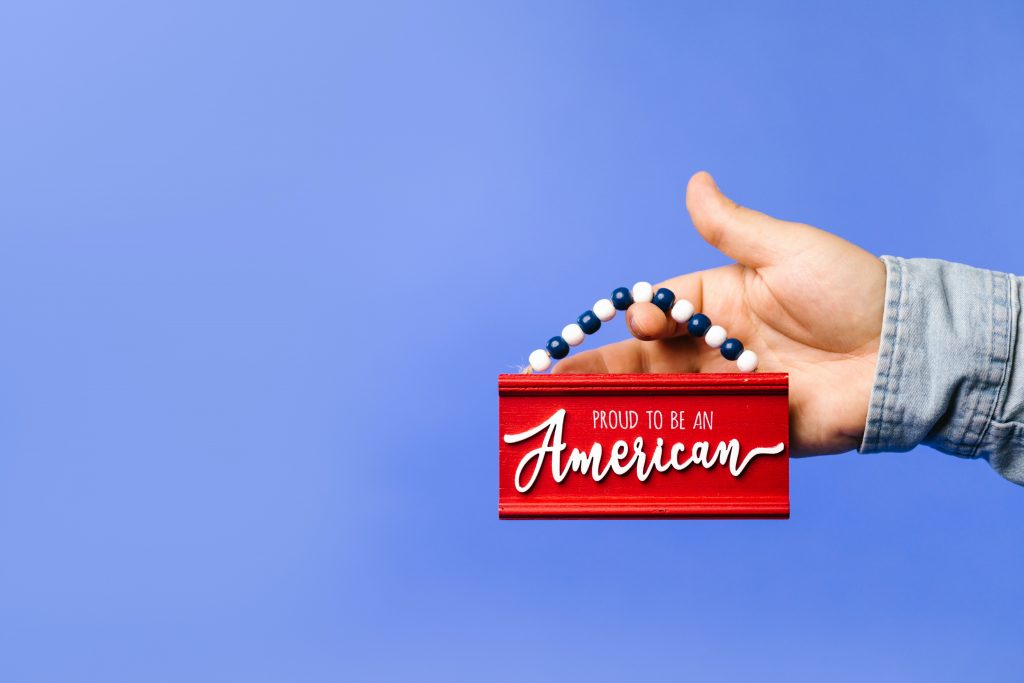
(604, 310)
(643, 292)
(682, 311)
(573, 334)
(716, 336)
(540, 360)
(747, 362)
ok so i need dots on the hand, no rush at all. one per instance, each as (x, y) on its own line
(807, 302)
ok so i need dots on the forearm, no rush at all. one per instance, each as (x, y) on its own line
(945, 374)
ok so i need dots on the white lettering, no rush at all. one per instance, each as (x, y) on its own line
(725, 454)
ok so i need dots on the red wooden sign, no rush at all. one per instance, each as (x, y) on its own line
(701, 445)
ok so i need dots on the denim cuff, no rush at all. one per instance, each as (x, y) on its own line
(944, 359)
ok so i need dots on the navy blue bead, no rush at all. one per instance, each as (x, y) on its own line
(698, 325)
(732, 348)
(622, 298)
(664, 298)
(558, 348)
(589, 322)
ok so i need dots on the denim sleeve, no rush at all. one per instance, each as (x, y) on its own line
(948, 373)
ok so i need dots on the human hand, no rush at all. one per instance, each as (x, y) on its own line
(808, 302)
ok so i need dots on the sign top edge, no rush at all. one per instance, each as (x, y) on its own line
(762, 381)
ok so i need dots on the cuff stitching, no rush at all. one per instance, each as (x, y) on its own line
(1005, 335)
(966, 442)
(878, 405)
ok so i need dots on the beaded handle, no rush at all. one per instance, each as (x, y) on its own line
(682, 311)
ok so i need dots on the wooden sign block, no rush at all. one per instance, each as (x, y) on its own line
(643, 446)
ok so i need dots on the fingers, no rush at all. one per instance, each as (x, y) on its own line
(750, 237)
(632, 356)
(647, 322)
(596, 361)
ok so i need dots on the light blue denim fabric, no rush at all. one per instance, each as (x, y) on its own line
(950, 371)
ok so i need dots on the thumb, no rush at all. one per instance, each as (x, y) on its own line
(750, 237)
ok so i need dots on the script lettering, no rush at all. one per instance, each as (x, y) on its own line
(620, 461)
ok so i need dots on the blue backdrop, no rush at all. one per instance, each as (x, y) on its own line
(261, 264)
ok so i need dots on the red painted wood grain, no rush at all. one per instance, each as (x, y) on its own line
(752, 408)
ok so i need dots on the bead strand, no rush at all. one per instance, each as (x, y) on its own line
(681, 310)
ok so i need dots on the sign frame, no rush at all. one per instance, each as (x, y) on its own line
(728, 466)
